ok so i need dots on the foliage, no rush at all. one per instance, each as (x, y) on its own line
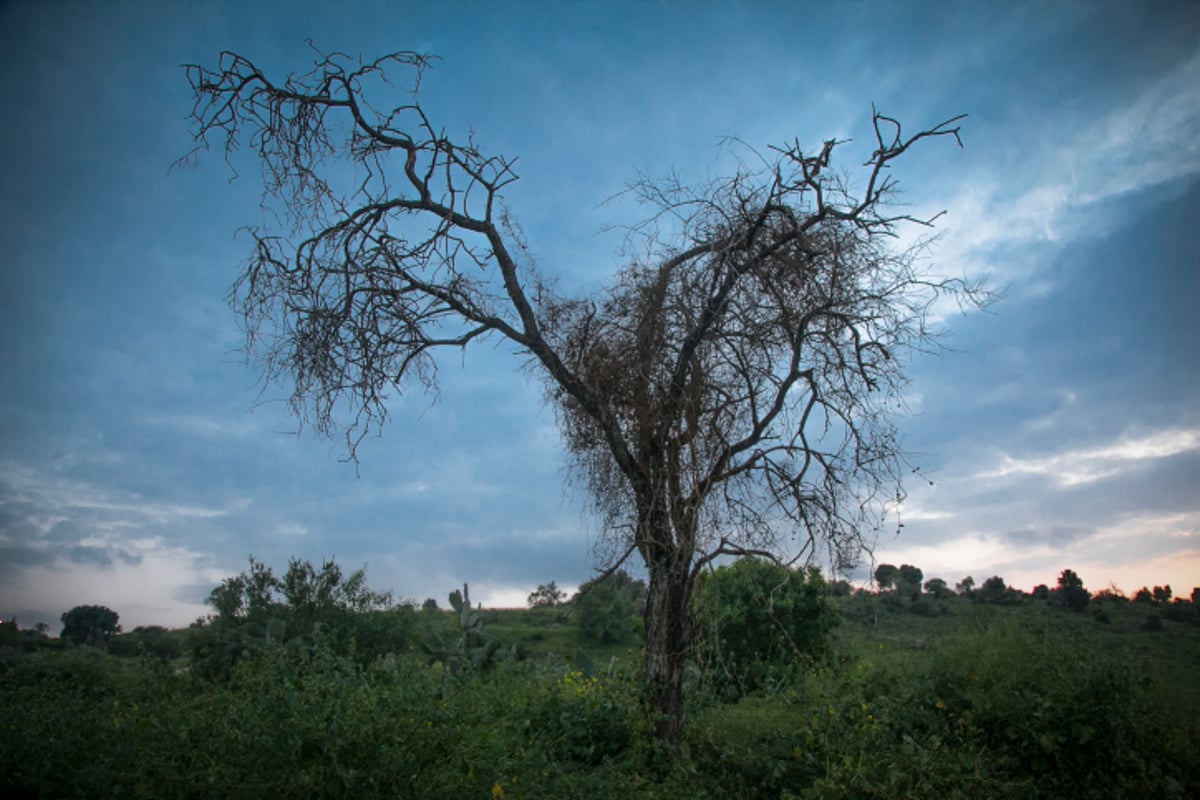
(908, 581)
(586, 718)
(91, 625)
(1005, 702)
(886, 575)
(757, 615)
(633, 588)
(1070, 591)
(546, 595)
(469, 650)
(966, 586)
(10, 634)
(256, 609)
(995, 590)
(149, 640)
(606, 613)
(938, 588)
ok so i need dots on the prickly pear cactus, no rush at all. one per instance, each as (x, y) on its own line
(470, 650)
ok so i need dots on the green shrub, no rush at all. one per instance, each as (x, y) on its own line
(755, 616)
(585, 718)
(605, 614)
(1007, 708)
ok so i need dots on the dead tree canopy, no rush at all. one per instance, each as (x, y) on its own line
(733, 391)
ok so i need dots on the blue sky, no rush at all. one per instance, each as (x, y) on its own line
(139, 463)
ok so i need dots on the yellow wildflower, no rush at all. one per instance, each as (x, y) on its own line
(497, 791)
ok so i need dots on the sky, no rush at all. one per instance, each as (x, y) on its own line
(142, 461)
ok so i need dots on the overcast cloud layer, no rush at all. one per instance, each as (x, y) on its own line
(139, 463)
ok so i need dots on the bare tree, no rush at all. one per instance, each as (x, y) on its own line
(731, 393)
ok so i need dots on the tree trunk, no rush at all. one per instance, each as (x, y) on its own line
(667, 640)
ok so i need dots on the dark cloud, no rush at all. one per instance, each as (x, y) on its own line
(65, 531)
(14, 558)
(1051, 535)
(101, 556)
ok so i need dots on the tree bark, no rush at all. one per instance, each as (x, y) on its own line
(667, 641)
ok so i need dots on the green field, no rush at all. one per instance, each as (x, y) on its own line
(959, 699)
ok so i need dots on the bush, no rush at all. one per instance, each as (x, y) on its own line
(584, 718)
(256, 608)
(1005, 711)
(756, 615)
(605, 614)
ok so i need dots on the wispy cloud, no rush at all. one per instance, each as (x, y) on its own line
(1084, 465)
(1035, 190)
(60, 497)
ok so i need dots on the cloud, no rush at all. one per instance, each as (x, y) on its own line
(1043, 189)
(142, 585)
(1116, 508)
(1050, 535)
(1085, 465)
(67, 541)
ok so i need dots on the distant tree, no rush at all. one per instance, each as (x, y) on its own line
(1162, 594)
(1040, 592)
(966, 586)
(90, 625)
(886, 575)
(253, 592)
(741, 370)
(908, 581)
(1111, 594)
(840, 588)
(547, 595)
(327, 595)
(1196, 596)
(1143, 595)
(10, 633)
(1070, 591)
(257, 609)
(994, 590)
(430, 604)
(938, 588)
